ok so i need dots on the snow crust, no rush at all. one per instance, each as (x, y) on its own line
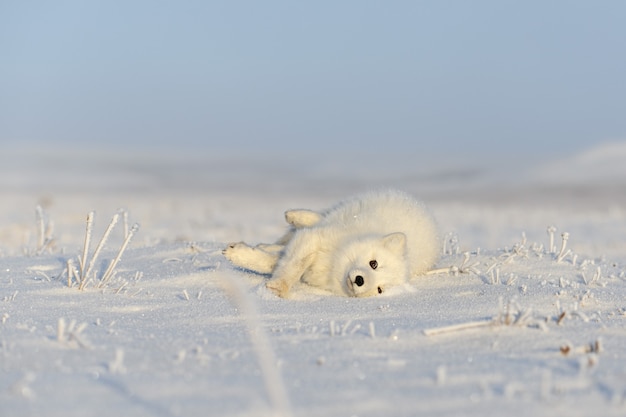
(178, 331)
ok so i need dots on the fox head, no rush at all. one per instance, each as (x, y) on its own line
(368, 266)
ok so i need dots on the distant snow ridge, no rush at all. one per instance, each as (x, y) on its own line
(602, 165)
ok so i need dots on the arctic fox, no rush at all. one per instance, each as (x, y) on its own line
(360, 247)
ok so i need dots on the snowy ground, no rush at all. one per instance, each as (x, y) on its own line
(178, 331)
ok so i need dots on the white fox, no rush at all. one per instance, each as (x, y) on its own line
(360, 247)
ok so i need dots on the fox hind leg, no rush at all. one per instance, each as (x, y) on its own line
(302, 218)
(261, 259)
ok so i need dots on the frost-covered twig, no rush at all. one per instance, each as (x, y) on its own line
(125, 219)
(109, 272)
(71, 273)
(511, 280)
(451, 244)
(274, 382)
(519, 249)
(513, 315)
(464, 268)
(537, 249)
(12, 296)
(596, 276)
(94, 257)
(551, 247)
(101, 243)
(591, 347)
(70, 335)
(563, 253)
(372, 329)
(88, 230)
(116, 366)
(44, 231)
(40, 228)
(495, 276)
(86, 269)
(456, 327)
(510, 315)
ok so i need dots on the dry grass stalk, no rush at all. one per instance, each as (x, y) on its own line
(71, 272)
(592, 347)
(88, 231)
(94, 257)
(109, 272)
(273, 380)
(551, 247)
(41, 227)
(563, 253)
(511, 315)
(44, 231)
(465, 268)
(86, 268)
(71, 334)
(457, 327)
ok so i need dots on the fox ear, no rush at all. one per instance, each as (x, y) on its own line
(395, 242)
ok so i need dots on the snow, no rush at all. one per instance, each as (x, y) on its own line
(602, 164)
(179, 331)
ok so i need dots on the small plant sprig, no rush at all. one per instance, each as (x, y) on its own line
(71, 334)
(592, 347)
(510, 315)
(45, 227)
(563, 252)
(451, 244)
(551, 230)
(519, 250)
(465, 268)
(594, 279)
(85, 269)
(272, 377)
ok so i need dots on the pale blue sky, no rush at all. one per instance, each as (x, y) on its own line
(421, 77)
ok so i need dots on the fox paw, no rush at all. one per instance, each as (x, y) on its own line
(237, 253)
(302, 218)
(278, 287)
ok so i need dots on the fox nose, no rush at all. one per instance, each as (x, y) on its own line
(359, 281)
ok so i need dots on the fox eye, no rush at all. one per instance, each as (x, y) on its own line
(380, 290)
(374, 264)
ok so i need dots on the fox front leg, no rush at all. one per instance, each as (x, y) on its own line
(297, 257)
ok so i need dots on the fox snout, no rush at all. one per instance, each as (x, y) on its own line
(356, 278)
(362, 284)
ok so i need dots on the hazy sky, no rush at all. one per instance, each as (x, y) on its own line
(385, 76)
